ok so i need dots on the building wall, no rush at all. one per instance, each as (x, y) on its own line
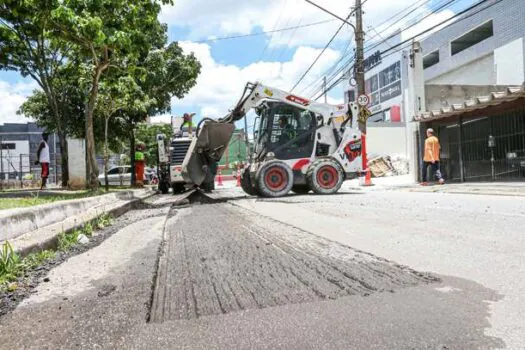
(386, 139)
(478, 72)
(390, 94)
(77, 163)
(504, 47)
(32, 134)
(442, 96)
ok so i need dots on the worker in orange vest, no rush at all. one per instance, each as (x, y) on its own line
(140, 164)
(431, 157)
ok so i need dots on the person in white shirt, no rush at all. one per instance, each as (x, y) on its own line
(42, 155)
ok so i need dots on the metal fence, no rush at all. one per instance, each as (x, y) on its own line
(20, 170)
(485, 149)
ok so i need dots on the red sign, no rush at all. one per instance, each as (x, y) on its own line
(297, 99)
(352, 150)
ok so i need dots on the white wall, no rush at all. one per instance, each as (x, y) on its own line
(77, 162)
(11, 157)
(478, 72)
(386, 140)
(506, 60)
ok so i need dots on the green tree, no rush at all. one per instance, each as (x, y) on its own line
(117, 96)
(164, 73)
(110, 33)
(28, 46)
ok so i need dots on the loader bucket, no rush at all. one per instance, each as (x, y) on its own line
(206, 148)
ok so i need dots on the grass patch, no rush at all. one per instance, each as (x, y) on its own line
(30, 201)
(12, 266)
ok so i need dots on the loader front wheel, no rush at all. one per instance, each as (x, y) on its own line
(274, 179)
(325, 176)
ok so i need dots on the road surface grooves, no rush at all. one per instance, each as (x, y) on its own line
(219, 258)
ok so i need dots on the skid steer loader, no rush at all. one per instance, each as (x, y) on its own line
(299, 145)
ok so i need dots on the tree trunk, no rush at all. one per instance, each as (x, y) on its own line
(64, 158)
(106, 154)
(90, 137)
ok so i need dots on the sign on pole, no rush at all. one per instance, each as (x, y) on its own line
(364, 114)
(363, 100)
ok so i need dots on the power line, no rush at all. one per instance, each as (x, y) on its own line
(418, 5)
(327, 45)
(320, 54)
(400, 45)
(265, 32)
(441, 6)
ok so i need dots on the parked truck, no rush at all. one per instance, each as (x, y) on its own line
(171, 155)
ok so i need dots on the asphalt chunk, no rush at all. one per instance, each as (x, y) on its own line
(219, 258)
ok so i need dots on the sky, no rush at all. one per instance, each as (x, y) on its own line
(275, 59)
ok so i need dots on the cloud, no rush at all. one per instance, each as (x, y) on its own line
(12, 97)
(231, 17)
(219, 86)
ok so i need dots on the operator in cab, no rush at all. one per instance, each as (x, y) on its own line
(287, 130)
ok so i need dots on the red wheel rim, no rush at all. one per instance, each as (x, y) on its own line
(327, 177)
(276, 179)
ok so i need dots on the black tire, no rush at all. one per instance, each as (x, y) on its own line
(177, 187)
(208, 186)
(163, 187)
(246, 183)
(301, 189)
(325, 176)
(274, 179)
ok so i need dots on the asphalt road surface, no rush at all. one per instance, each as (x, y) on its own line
(376, 270)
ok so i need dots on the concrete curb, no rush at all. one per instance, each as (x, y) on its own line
(46, 237)
(16, 222)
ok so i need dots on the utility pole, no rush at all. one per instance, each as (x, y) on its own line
(360, 79)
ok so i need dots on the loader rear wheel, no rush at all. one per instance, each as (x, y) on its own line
(325, 176)
(246, 183)
(177, 187)
(301, 189)
(274, 179)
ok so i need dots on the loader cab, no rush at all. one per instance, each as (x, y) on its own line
(287, 131)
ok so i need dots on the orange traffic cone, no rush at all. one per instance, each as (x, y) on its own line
(219, 178)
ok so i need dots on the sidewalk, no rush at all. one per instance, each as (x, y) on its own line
(406, 183)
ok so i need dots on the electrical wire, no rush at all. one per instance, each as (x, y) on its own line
(294, 28)
(400, 46)
(419, 4)
(440, 7)
(326, 47)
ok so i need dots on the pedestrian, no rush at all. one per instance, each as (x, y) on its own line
(431, 158)
(43, 158)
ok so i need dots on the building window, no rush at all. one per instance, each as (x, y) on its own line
(472, 38)
(8, 146)
(431, 59)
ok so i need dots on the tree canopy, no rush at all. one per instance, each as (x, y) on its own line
(94, 60)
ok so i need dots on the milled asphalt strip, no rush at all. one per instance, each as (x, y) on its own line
(220, 259)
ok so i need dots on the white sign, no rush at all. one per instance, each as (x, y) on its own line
(363, 100)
